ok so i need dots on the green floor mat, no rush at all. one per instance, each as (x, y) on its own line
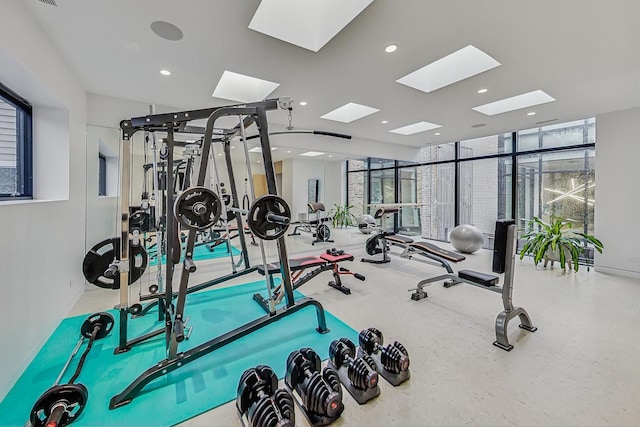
(200, 253)
(190, 390)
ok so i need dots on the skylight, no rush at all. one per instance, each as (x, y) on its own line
(259, 149)
(349, 112)
(241, 88)
(309, 24)
(459, 65)
(525, 100)
(415, 128)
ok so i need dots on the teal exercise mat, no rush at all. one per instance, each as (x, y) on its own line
(200, 253)
(192, 389)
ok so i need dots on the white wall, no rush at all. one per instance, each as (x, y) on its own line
(617, 202)
(330, 189)
(42, 242)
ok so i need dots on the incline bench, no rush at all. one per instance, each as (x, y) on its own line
(326, 261)
(381, 242)
(503, 262)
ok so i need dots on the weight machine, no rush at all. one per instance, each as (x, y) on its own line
(198, 208)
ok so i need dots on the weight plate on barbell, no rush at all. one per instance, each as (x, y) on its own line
(197, 208)
(258, 221)
(102, 319)
(100, 257)
(73, 396)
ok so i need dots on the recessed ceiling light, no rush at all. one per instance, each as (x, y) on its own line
(312, 154)
(349, 112)
(241, 88)
(525, 100)
(233, 146)
(391, 48)
(453, 68)
(330, 155)
(303, 103)
(288, 151)
(483, 91)
(219, 154)
(531, 113)
(165, 72)
(166, 30)
(308, 24)
(415, 128)
(258, 161)
(384, 122)
(437, 133)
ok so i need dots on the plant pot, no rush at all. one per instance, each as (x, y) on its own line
(554, 255)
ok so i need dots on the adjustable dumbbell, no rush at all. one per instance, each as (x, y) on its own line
(392, 360)
(62, 404)
(319, 391)
(259, 401)
(358, 374)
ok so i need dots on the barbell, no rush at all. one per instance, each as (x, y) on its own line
(199, 208)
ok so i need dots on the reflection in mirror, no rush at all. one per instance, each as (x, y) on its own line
(103, 151)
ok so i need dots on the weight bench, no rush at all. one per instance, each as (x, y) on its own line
(503, 262)
(381, 242)
(326, 261)
(321, 232)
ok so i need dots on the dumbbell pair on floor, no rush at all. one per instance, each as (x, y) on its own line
(318, 391)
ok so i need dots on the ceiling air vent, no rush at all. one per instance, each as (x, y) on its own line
(49, 2)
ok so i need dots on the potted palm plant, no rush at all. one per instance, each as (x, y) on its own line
(556, 241)
(342, 215)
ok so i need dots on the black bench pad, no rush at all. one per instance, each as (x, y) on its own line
(399, 239)
(477, 277)
(437, 251)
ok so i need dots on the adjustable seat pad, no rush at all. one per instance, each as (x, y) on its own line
(294, 264)
(336, 258)
(398, 239)
(437, 251)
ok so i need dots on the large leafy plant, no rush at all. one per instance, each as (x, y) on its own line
(342, 216)
(557, 235)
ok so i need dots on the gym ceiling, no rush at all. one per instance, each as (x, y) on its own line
(582, 53)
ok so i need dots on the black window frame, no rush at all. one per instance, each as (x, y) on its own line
(24, 144)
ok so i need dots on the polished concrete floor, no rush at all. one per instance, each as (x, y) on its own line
(581, 368)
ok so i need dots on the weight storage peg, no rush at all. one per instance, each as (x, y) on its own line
(62, 404)
(391, 360)
(359, 375)
(317, 392)
(259, 401)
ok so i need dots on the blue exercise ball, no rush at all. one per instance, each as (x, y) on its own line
(466, 238)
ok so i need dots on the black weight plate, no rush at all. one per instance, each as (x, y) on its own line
(73, 395)
(100, 256)
(324, 233)
(105, 320)
(140, 220)
(197, 208)
(257, 219)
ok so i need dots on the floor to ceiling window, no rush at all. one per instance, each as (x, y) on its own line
(540, 172)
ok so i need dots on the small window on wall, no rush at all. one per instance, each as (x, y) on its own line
(102, 175)
(15, 146)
